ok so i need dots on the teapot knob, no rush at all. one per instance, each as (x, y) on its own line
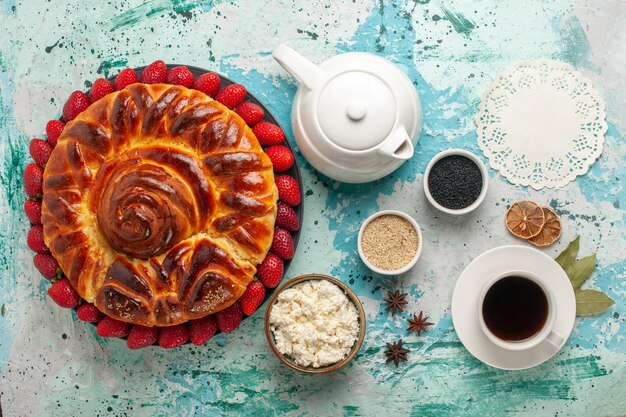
(356, 110)
(397, 145)
(298, 66)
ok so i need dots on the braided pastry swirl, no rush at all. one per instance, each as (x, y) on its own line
(158, 204)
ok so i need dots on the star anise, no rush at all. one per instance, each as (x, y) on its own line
(395, 352)
(419, 323)
(395, 301)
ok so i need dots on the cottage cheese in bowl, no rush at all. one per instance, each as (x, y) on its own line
(314, 323)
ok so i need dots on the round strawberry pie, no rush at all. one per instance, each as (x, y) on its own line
(158, 204)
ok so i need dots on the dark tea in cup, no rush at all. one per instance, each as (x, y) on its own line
(515, 308)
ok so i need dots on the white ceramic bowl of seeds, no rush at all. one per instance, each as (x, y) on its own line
(456, 181)
(390, 242)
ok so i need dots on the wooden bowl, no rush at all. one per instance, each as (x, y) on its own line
(309, 369)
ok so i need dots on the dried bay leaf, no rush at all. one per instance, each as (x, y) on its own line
(579, 271)
(590, 302)
(568, 256)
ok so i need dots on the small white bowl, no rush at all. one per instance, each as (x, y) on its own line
(483, 171)
(417, 252)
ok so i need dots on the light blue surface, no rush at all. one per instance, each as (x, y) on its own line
(52, 364)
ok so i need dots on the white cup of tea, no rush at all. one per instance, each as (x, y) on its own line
(517, 311)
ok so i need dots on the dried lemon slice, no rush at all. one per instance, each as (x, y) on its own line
(551, 230)
(524, 219)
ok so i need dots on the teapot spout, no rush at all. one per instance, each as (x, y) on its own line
(398, 145)
(298, 66)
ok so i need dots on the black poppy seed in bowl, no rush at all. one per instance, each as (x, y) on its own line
(455, 182)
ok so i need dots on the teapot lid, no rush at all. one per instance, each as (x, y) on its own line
(356, 110)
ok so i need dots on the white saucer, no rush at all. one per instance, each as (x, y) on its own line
(465, 304)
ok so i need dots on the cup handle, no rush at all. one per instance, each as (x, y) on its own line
(555, 339)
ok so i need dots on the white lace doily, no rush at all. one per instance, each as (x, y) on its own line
(541, 124)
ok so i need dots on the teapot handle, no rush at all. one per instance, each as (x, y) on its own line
(397, 145)
(298, 66)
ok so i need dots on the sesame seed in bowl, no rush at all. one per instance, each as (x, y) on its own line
(390, 242)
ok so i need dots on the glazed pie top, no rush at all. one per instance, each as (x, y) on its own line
(158, 204)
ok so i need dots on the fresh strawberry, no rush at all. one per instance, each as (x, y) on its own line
(180, 76)
(33, 181)
(281, 157)
(63, 293)
(89, 313)
(154, 73)
(270, 271)
(35, 239)
(100, 88)
(282, 244)
(125, 78)
(250, 113)
(54, 128)
(75, 104)
(288, 189)
(286, 218)
(140, 337)
(252, 298)
(47, 265)
(208, 83)
(32, 208)
(110, 327)
(173, 336)
(229, 318)
(40, 151)
(201, 330)
(268, 133)
(231, 95)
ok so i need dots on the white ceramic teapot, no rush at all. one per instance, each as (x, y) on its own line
(356, 117)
